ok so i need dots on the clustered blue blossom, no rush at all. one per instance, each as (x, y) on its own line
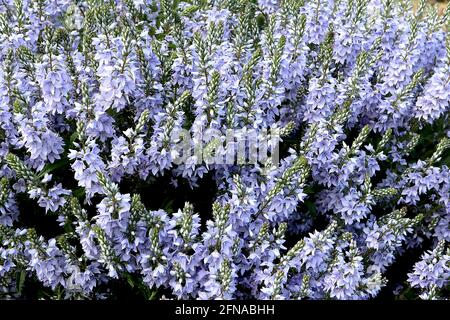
(92, 91)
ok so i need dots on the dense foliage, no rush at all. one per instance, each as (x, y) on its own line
(98, 201)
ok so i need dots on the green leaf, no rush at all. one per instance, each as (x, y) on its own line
(73, 137)
(261, 21)
(21, 276)
(311, 207)
(152, 295)
(79, 193)
(54, 166)
(130, 281)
